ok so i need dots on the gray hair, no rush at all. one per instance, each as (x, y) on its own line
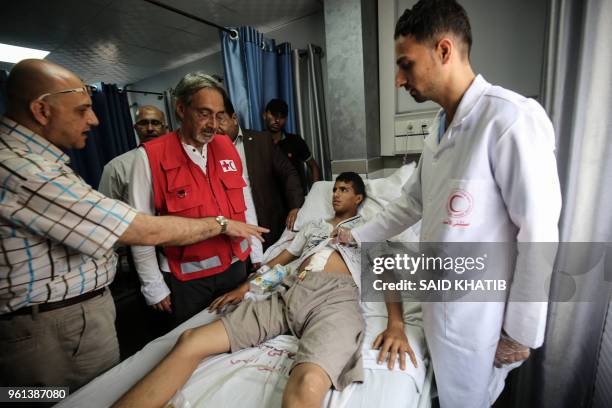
(193, 82)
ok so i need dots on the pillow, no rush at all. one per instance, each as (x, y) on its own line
(380, 193)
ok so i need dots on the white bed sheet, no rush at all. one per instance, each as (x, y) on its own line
(256, 377)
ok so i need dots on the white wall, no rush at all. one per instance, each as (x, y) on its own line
(300, 33)
(508, 45)
(508, 50)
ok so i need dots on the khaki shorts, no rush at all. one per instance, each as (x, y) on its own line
(324, 313)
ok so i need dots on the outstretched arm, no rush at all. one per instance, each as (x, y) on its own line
(178, 231)
(397, 216)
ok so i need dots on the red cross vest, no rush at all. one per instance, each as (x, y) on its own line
(181, 188)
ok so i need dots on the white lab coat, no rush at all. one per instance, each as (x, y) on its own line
(498, 152)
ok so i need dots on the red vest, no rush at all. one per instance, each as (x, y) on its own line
(181, 188)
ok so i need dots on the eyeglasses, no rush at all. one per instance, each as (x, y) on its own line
(205, 115)
(83, 89)
(147, 122)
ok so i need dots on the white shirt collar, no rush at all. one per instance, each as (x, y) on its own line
(472, 95)
(239, 137)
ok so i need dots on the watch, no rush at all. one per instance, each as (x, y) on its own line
(222, 222)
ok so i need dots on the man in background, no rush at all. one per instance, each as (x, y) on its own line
(117, 174)
(273, 193)
(294, 147)
(150, 123)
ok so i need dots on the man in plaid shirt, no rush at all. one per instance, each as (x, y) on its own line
(57, 236)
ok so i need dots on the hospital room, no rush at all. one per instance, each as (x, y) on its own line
(307, 203)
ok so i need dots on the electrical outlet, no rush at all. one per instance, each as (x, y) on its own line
(411, 130)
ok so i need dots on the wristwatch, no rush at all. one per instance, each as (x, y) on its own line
(222, 222)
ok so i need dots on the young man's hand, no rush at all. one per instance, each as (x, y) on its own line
(393, 341)
(233, 297)
(343, 236)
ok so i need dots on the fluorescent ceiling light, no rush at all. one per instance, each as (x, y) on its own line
(14, 54)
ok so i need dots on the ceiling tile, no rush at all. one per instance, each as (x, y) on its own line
(150, 15)
(41, 15)
(111, 27)
(124, 41)
(183, 42)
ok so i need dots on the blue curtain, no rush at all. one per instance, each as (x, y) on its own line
(3, 78)
(285, 81)
(113, 136)
(257, 70)
(270, 72)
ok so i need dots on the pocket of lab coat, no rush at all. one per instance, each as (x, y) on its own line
(466, 201)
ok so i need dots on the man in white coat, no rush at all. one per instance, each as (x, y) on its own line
(497, 148)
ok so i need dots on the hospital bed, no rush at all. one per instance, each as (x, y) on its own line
(256, 377)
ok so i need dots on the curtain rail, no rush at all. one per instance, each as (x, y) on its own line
(143, 92)
(191, 16)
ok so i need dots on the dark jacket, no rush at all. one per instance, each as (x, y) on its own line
(275, 183)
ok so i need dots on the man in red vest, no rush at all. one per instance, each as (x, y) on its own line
(192, 172)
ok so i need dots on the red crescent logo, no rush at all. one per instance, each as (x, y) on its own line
(460, 203)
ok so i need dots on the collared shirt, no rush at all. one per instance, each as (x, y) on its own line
(200, 158)
(116, 176)
(149, 268)
(56, 232)
(251, 214)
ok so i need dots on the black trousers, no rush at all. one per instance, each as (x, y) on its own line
(191, 297)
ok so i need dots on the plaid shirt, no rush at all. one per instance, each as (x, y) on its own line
(56, 232)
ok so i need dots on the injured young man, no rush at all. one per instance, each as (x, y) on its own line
(321, 307)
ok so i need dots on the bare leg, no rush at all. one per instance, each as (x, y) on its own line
(157, 387)
(307, 386)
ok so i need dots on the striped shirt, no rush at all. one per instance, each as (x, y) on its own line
(56, 232)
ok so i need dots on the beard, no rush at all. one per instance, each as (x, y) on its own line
(205, 135)
(417, 96)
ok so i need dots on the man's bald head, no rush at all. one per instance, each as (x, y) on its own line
(144, 109)
(150, 123)
(31, 78)
(51, 101)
